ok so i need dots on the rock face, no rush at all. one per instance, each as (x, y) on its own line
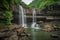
(48, 27)
(12, 32)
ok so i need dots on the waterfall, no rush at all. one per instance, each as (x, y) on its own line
(34, 18)
(25, 21)
(22, 17)
(33, 24)
(34, 15)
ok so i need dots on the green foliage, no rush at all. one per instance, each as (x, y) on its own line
(46, 3)
(7, 4)
(17, 1)
(12, 2)
(8, 16)
(24, 5)
(8, 13)
(43, 3)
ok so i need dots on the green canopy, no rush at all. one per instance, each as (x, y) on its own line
(43, 3)
(9, 3)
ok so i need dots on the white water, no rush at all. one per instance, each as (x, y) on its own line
(24, 23)
(33, 24)
(22, 17)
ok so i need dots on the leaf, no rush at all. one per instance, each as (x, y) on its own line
(12, 2)
(17, 1)
(5, 3)
(8, 16)
(43, 3)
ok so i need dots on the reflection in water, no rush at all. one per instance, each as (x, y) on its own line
(33, 24)
(24, 23)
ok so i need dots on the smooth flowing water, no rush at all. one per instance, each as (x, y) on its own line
(33, 24)
(23, 20)
(22, 17)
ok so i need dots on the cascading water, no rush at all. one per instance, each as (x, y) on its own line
(33, 24)
(25, 21)
(34, 18)
(22, 17)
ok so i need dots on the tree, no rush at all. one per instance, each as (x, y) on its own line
(43, 3)
(6, 8)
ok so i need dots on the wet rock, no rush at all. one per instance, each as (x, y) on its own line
(12, 32)
(13, 37)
